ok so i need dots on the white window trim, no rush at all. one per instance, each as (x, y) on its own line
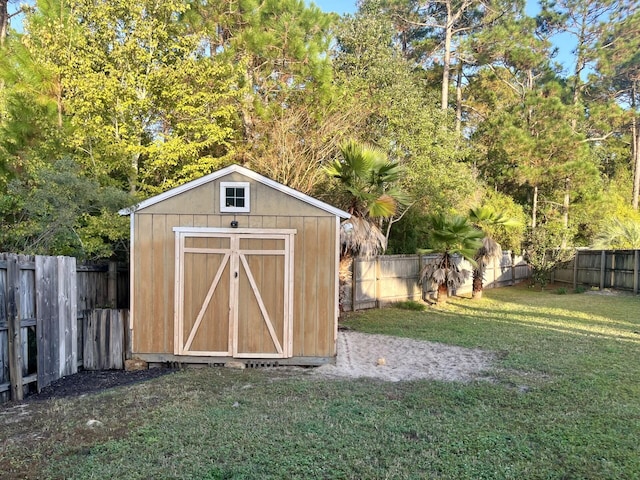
(247, 197)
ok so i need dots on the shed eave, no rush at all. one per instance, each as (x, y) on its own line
(243, 171)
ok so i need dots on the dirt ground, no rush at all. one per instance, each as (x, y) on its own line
(400, 359)
(359, 355)
(85, 382)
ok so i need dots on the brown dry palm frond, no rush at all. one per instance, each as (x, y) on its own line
(361, 237)
(439, 273)
(489, 250)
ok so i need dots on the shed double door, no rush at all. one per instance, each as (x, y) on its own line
(234, 292)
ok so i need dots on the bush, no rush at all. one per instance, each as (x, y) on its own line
(410, 305)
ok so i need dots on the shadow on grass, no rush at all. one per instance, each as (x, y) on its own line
(532, 317)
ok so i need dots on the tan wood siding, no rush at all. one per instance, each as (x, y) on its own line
(311, 326)
(325, 287)
(159, 276)
(265, 201)
(314, 278)
(313, 292)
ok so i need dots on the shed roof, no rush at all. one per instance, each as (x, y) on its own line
(243, 171)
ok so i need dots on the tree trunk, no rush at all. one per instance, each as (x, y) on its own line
(459, 99)
(635, 149)
(443, 293)
(478, 273)
(446, 63)
(565, 212)
(4, 20)
(534, 208)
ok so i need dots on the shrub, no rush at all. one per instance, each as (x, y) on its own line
(410, 305)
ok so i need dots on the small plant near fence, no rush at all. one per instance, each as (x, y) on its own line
(410, 305)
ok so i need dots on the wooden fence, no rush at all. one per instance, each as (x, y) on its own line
(393, 278)
(616, 269)
(44, 308)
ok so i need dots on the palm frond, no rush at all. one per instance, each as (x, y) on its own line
(489, 250)
(382, 207)
(359, 236)
(618, 234)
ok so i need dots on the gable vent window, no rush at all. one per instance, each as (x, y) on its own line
(234, 197)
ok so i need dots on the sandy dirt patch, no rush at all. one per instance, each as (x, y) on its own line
(361, 355)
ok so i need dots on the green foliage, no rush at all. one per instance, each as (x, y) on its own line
(370, 179)
(61, 212)
(542, 250)
(618, 234)
(450, 237)
(402, 113)
(144, 96)
(454, 235)
(490, 222)
(410, 305)
(368, 182)
(509, 231)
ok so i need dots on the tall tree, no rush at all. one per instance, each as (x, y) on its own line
(281, 46)
(585, 22)
(432, 32)
(368, 181)
(5, 18)
(402, 114)
(148, 108)
(619, 75)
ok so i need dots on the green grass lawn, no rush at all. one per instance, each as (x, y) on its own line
(562, 401)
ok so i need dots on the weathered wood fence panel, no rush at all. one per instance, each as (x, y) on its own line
(617, 269)
(392, 278)
(43, 303)
(56, 324)
(105, 345)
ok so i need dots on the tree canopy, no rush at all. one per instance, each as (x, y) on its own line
(120, 100)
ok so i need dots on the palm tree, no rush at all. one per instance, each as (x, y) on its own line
(488, 221)
(369, 180)
(618, 234)
(450, 237)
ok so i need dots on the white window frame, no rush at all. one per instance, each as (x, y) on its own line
(247, 197)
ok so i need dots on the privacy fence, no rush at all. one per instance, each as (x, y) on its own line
(616, 269)
(393, 278)
(49, 322)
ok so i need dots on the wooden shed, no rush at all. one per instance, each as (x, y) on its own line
(234, 266)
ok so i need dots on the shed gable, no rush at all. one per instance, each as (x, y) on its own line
(204, 199)
(199, 197)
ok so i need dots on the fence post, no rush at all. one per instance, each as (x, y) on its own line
(112, 285)
(636, 257)
(613, 269)
(575, 270)
(603, 263)
(354, 281)
(13, 323)
(376, 285)
(423, 294)
(513, 267)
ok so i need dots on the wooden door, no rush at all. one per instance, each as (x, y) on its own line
(234, 292)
